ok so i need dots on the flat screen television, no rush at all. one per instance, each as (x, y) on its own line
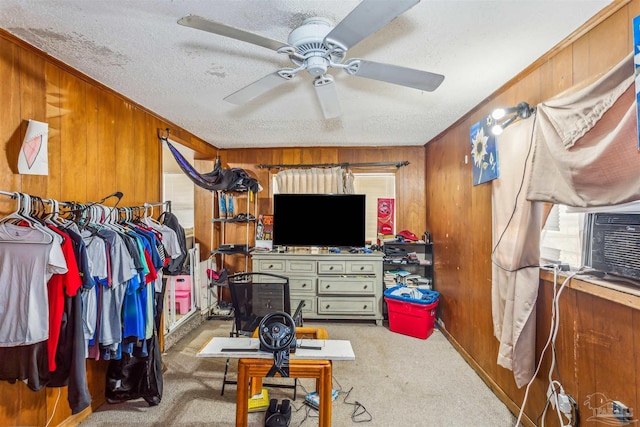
(332, 220)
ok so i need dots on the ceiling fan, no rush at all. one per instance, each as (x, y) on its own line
(316, 45)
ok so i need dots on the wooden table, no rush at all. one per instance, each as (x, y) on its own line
(302, 333)
(304, 363)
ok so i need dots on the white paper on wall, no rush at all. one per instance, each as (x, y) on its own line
(33, 158)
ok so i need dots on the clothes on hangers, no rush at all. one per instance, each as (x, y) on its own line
(70, 292)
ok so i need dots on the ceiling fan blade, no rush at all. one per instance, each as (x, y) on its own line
(367, 18)
(402, 76)
(327, 96)
(200, 23)
(259, 87)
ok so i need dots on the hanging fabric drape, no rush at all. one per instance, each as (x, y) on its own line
(586, 144)
(515, 259)
(580, 150)
(334, 180)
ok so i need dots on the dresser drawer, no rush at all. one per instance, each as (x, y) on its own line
(302, 284)
(362, 267)
(271, 265)
(332, 267)
(354, 305)
(301, 266)
(347, 285)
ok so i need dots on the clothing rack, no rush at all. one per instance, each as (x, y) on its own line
(328, 165)
(167, 205)
(8, 194)
(143, 207)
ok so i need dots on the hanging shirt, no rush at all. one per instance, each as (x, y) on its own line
(27, 258)
(58, 286)
(122, 270)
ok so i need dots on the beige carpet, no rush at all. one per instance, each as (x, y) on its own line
(397, 380)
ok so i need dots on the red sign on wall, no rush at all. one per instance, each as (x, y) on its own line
(386, 209)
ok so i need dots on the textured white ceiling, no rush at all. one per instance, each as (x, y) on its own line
(137, 48)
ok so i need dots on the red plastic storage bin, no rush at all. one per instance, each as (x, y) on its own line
(413, 319)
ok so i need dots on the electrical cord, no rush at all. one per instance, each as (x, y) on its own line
(553, 331)
(308, 412)
(359, 414)
(515, 208)
(540, 419)
(55, 406)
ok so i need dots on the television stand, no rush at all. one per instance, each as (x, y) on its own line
(333, 285)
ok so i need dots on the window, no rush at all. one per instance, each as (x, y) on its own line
(177, 187)
(374, 186)
(561, 239)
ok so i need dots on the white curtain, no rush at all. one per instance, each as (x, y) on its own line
(334, 180)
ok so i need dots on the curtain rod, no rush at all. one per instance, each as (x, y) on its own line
(326, 165)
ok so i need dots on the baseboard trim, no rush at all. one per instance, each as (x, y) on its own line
(497, 390)
(76, 419)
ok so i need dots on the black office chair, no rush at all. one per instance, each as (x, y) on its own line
(253, 296)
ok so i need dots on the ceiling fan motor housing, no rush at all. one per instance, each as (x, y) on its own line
(308, 39)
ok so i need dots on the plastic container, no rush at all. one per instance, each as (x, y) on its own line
(411, 316)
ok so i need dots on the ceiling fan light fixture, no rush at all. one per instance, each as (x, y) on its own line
(317, 65)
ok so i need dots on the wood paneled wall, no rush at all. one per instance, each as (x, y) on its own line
(99, 142)
(410, 200)
(597, 344)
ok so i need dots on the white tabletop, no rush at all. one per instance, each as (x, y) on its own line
(236, 348)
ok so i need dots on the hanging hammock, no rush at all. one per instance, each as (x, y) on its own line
(219, 179)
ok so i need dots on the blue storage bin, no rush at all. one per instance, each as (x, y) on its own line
(428, 296)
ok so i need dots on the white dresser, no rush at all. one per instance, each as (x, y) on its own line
(333, 286)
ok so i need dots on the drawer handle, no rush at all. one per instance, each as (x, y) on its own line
(270, 266)
(365, 286)
(327, 287)
(361, 267)
(364, 307)
(331, 268)
(328, 305)
(304, 285)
